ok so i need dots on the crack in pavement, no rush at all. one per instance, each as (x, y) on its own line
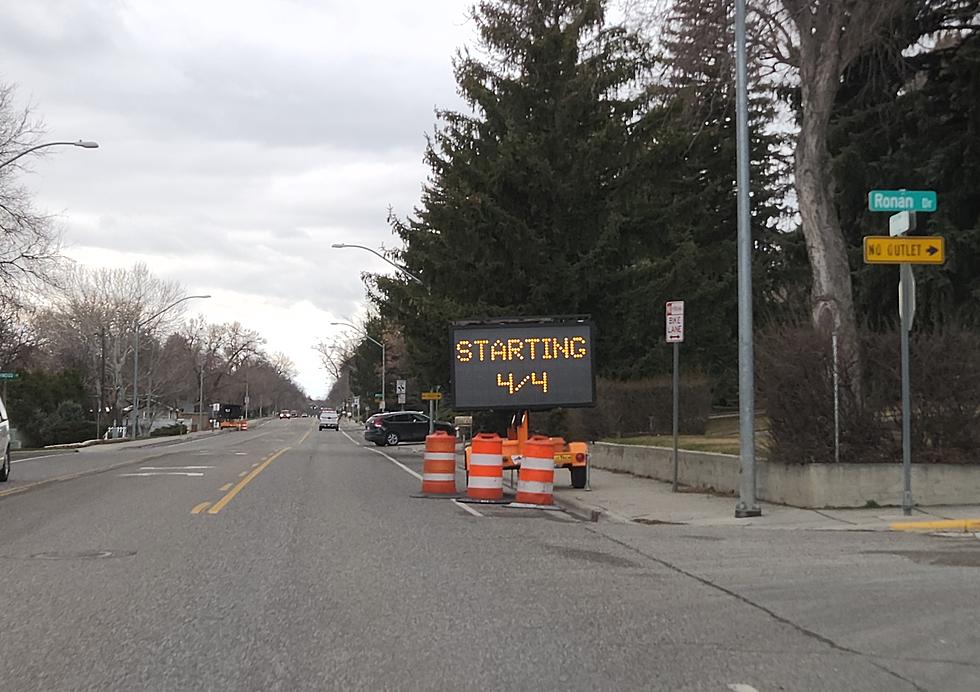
(771, 613)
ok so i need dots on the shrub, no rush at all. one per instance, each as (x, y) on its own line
(795, 379)
(169, 430)
(641, 407)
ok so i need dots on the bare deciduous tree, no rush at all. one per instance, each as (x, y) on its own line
(29, 243)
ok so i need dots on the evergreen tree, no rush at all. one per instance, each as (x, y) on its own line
(531, 205)
(914, 124)
(693, 142)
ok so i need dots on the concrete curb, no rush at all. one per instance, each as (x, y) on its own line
(586, 512)
(964, 525)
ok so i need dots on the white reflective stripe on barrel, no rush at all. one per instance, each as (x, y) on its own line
(534, 487)
(440, 456)
(486, 460)
(484, 482)
(536, 463)
(439, 477)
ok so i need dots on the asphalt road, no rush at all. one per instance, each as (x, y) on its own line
(284, 558)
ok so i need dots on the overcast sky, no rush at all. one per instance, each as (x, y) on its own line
(239, 139)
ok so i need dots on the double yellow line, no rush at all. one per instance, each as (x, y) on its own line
(230, 495)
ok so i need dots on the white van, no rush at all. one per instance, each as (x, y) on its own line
(4, 443)
(329, 419)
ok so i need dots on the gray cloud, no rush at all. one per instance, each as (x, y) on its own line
(239, 140)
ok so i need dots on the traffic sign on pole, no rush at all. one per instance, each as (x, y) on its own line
(902, 200)
(431, 396)
(9, 376)
(883, 249)
(400, 387)
(675, 321)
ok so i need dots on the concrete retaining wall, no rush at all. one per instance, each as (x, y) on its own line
(809, 485)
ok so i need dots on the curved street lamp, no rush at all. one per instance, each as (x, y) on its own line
(378, 254)
(372, 339)
(137, 325)
(84, 144)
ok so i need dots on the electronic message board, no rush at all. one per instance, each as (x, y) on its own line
(523, 365)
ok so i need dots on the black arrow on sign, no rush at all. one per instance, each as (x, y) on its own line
(932, 250)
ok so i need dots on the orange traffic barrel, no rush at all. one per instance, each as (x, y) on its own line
(536, 478)
(486, 472)
(439, 464)
(244, 425)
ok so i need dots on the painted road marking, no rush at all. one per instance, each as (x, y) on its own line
(192, 474)
(240, 454)
(411, 472)
(220, 504)
(43, 456)
(225, 488)
(467, 508)
(242, 474)
(964, 525)
(173, 468)
(200, 508)
(741, 687)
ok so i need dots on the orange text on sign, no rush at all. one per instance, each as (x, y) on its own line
(546, 348)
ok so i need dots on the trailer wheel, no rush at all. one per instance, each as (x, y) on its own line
(578, 476)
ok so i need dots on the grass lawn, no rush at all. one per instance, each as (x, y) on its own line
(721, 436)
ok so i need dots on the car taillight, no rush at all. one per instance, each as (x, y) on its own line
(580, 457)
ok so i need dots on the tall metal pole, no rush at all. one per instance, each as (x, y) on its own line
(677, 363)
(906, 285)
(200, 403)
(384, 398)
(136, 368)
(747, 505)
(836, 376)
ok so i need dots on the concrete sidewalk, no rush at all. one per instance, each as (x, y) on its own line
(625, 498)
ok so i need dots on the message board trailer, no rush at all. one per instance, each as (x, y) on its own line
(523, 363)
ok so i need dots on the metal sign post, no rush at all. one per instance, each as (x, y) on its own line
(897, 248)
(906, 286)
(675, 336)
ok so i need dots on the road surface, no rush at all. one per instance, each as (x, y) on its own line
(283, 558)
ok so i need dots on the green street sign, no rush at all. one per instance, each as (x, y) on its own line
(9, 375)
(902, 200)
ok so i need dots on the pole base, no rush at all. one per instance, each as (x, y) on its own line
(747, 512)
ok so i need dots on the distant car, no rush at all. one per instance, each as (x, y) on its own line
(284, 414)
(304, 415)
(401, 426)
(329, 419)
(4, 443)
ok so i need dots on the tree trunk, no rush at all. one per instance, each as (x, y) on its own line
(832, 300)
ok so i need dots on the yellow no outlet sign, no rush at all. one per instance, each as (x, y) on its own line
(883, 249)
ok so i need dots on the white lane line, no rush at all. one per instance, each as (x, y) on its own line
(467, 508)
(391, 459)
(418, 476)
(162, 473)
(173, 468)
(740, 687)
(43, 456)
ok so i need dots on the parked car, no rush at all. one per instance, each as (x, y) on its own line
(329, 419)
(401, 426)
(4, 443)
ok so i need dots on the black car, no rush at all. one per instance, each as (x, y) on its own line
(401, 426)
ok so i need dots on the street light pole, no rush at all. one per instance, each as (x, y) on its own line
(378, 254)
(80, 143)
(747, 506)
(383, 359)
(137, 324)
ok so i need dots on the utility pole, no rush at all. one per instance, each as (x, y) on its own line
(747, 505)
